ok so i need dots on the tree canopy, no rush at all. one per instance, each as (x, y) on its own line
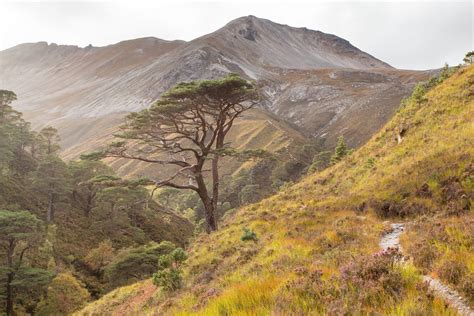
(184, 129)
(19, 232)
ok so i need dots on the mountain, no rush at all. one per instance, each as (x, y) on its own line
(318, 82)
(314, 248)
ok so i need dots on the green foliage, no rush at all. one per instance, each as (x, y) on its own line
(81, 194)
(370, 163)
(135, 264)
(340, 151)
(46, 253)
(168, 275)
(49, 140)
(20, 232)
(418, 94)
(88, 178)
(18, 226)
(320, 161)
(93, 156)
(468, 59)
(65, 295)
(29, 286)
(52, 180)
(248, 235)
(249, 194)
(191, 119)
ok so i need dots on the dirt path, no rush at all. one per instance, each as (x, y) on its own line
(453, 298)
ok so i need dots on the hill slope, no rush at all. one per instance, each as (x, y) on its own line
(316, 240)
(85, 91)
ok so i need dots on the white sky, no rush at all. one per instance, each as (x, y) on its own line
(406, 34)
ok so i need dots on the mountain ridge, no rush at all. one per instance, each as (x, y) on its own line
(85, 91)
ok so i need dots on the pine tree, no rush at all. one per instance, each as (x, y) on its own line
(188, 126)
(85, 185)
(51, 181)
(20, 231)
(340, 152)
(468, 59)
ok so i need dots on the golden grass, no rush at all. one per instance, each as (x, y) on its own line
(325, 221)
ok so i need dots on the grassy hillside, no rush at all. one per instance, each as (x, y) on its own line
(317, 249)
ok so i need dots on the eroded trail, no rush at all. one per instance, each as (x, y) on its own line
(452, 297)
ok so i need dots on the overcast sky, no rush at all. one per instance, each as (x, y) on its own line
(406, 34)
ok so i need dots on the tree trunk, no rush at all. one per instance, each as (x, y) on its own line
(215, 182)
(9, 297)
(113, 210)
(9, 290)
(211, 221)
(88, 208)
(50, 214)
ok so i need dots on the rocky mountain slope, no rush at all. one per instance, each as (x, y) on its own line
(317, 81)
(316, 244)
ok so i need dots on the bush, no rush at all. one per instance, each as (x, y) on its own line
(249, 235)
(424, 254)
(249, 194)
(320, 161)
(100, 257)
(169, 270)
(373, 276)
(467, 287)
(452, 270)
(65, 295)
(135, 264)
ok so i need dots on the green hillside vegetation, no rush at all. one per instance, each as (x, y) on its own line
(66, 227)
(313, 247)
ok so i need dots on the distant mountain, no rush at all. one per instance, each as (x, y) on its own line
(318, 82)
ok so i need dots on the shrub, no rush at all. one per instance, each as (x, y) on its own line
(368, 279)
(424, 254)
(452, 270)
(249, 235)
(370, 163)
(320, 162)
(309, 292)
(100, 257)
(168, 275)
(136, 263)
(249, 194)
(65, 295)
(467, 287)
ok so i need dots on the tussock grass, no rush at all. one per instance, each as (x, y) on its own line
(330, 222)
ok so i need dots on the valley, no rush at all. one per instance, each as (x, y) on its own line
(260, 169)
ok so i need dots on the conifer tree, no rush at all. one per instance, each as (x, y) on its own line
(469, 58)
(186, 128)
(340, 151)
(51, 180)
(20, 231)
